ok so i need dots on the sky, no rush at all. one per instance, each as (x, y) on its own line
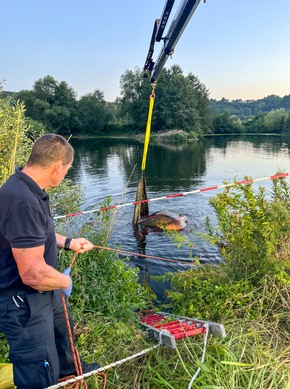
(239, 49)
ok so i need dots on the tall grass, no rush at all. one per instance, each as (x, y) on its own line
(252, 356)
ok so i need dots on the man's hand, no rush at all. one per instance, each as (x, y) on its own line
(67, 291)
(81, 245)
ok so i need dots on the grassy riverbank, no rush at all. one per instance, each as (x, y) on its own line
(249, 294)
(253, 355)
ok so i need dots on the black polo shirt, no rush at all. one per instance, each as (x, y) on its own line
(25, 222)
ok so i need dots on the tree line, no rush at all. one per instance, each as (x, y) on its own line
(181, 103)
(246, 108)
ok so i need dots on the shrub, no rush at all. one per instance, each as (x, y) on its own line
(104, 284)
(14, 142)
(253, 281)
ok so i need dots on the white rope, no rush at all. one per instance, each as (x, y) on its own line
(202, 357)
(139, 354)
(101, 369)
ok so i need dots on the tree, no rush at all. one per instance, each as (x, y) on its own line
(226, 124)
(91, 112)
(256, 124)
(274, 120)
(181, 102)
(286, 125)
(44, 89)
(134, 100)
(203, 106)
(52, 103)
(113, 118)
(247, 108)
(177, 105)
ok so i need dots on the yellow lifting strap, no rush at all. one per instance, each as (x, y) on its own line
(148, 127)
(6, 376)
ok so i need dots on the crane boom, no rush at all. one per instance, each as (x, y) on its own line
(164, 19)
(179, 23)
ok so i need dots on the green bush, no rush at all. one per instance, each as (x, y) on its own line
(253, 281)
(15, 145)
(253, 230)
(104, 284)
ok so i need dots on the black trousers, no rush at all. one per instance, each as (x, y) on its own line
(35, 328)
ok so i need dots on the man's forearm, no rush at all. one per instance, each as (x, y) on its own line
(60, 240)
(46, 279)
(35, 272)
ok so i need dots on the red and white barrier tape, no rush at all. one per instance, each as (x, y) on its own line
(244, 182)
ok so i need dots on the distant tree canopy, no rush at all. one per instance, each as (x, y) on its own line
(268, 115)
(245, 109)
(276, 121)
(181, 102)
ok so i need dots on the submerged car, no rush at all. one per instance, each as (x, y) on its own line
(164, 220)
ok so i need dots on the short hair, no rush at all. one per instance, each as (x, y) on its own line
(50, 148)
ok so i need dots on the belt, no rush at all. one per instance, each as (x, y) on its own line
(9, 292)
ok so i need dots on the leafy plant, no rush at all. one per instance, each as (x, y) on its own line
(103, 283)
(14, 143)
(253, 281)
(254, 227)
(65, 198)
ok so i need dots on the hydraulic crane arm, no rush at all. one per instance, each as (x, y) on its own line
(164, 19)
(180, 21)
(149, 62)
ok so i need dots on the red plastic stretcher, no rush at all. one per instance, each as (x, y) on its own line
(166, 327)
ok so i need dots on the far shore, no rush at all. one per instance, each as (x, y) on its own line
(172, 136)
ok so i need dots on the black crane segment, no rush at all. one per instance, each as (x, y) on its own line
(164, 19)
(149, 62)
(179, 23)
(158, 29)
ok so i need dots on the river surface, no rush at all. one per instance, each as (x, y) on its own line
(113, 168)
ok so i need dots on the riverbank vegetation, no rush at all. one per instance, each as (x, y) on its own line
(182, 103)
(249, 292)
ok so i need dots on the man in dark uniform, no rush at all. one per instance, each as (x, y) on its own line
(31, 311)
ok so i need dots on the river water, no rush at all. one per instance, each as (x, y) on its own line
(113, 168)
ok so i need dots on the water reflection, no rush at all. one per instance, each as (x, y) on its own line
(165, 163)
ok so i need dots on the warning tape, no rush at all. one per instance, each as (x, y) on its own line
(170, 196)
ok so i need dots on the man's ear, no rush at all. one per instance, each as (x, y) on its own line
(57, 165)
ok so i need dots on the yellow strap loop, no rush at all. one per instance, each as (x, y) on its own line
(148, 128)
